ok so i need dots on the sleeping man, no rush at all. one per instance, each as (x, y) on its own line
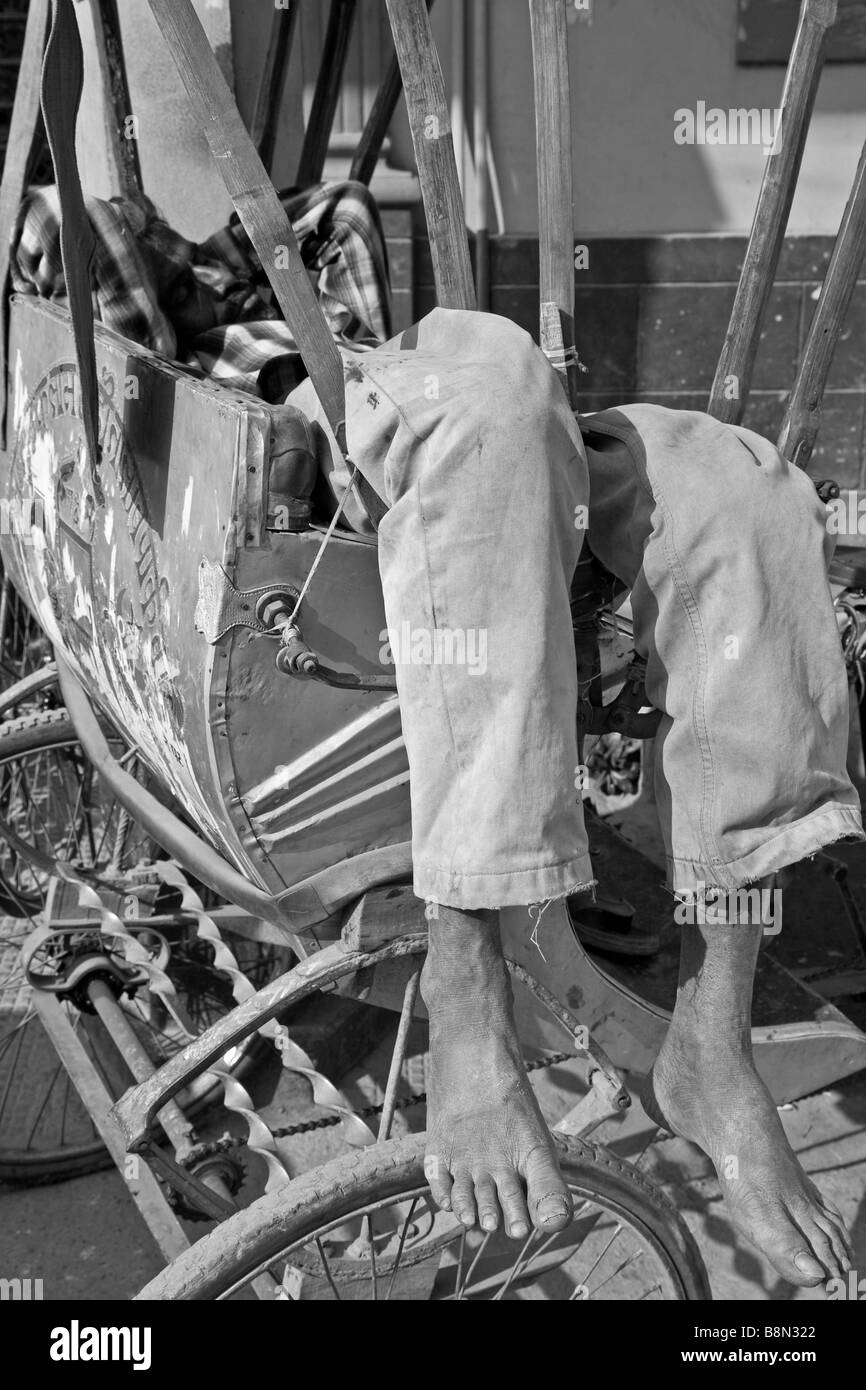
(491, 484)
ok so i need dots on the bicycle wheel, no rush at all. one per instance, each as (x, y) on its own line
(23, 645)
(51, 799)
(364, 1226)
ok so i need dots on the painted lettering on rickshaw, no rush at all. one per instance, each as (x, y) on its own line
(58, 396)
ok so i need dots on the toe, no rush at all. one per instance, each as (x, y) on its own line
(487, 1202)
(838, 1238)
(549, 1199)
(821, 1246)
(801, 1268)
(513, 1204)
(798, 1264)
(840, 1229)
(463, 1199)
(830, 1217)
(437, 1175)
(786, 1246)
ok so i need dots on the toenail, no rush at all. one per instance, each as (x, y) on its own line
(518, 1231)
(466, 1218)
(807, 1264)
(551, 1208)
(489, 1223)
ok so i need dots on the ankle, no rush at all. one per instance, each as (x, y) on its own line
(465, 964)
(705, 1050)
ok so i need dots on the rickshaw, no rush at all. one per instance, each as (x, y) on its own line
(239, 661)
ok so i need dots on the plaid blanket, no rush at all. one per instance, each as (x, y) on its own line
(342, 245)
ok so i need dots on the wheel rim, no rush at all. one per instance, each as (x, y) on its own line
(402, 1249)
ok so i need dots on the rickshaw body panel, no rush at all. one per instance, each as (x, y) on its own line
(135, 574)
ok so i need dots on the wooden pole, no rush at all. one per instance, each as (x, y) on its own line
(479, 143)
(730, 389)
(19, 159)
(555, 187)
(380, 117)
(458, 88)
(124, 165)
(430, 124)
(269, 97)
(335, 50)
(255, 199)
(803, 413)
(62, 85)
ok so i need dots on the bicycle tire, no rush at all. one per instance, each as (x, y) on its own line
(24, 691)
(35, 732)
(336, 1190)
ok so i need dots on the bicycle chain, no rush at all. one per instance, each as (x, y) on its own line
(229, 1142)
(824, 972)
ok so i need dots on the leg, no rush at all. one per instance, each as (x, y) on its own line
(724, 545)
(489, 1151)
(469, 436)
(704, 1087)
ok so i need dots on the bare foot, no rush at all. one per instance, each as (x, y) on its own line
(490, 1156)
(713, 1096)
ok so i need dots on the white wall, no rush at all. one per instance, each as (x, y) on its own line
(177, 167)
(631, 69)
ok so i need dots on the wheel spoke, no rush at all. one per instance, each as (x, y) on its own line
(616, 1234)
(629, 1260)
(32, 798)
(518, 1265)
(76, 810)
(460, 1293)
(327, 1268)
(107, 822)
(45, 1099)
(65, 1111)
(87, 780)
(17, 1045)
(374, 1290)
(399, 1254)
(458, 1277)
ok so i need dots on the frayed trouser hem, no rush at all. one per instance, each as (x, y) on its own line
(474, 892)
(690, 881)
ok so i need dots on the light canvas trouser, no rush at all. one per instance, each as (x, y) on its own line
(463, 427)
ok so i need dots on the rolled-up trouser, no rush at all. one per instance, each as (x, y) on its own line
(463, 427)
(724, 545)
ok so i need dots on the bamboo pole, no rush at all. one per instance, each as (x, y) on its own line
(555, 187)
(335, 51)
(430, 124)
(269, 97)
(255, 199)
(803, 413)
(730, 389)
(16, 170)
